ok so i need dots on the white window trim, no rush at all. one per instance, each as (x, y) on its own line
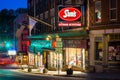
(110, 9)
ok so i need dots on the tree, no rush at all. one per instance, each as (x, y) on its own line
(6, 23)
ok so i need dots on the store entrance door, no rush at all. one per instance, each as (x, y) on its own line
(45, 58)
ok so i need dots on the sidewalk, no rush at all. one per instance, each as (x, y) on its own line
(78, 74)
(37, 71)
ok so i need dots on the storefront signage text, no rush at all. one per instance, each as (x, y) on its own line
(75, 43)
(69, 14)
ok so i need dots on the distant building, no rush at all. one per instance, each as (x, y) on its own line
(21, 40)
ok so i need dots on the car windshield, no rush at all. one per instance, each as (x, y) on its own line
(4, 56)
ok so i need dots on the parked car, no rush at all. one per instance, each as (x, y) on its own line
(5, 59)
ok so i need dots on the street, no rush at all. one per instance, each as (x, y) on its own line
(12, 74)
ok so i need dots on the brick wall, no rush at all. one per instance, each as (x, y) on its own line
(106, 23)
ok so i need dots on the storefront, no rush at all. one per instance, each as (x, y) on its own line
(105, 48)
(76, 53)
(68, 51)
(41, 54)
(50, 59)
(114, 47)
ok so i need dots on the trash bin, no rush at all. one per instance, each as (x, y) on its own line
(29, 69)
(69, 71)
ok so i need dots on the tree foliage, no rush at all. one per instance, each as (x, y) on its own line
(6, 24)
(7, 17)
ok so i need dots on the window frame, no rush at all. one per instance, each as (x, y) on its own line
(110, 10)
(97, 22)
(98, 39)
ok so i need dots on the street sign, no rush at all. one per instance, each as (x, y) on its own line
(58, 50)
(38, 53)
(59, 45)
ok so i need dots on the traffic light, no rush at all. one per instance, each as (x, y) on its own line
(7, 45)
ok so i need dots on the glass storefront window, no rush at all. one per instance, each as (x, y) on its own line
(114, 51)
(31, 59)
(73, 56)
(98, 51)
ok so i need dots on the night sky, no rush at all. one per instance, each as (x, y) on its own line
(13, 4)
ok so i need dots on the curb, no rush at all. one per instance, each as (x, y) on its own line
(34, 73)
(91, 77)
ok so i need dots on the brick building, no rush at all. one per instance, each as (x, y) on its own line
(104, 26)
(21, 33)
(100, 48)
(73, 50)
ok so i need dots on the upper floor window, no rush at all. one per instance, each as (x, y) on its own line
(32, 3)
(113, 9)
(40, 7)
(98, 11)
(52, 3)
(60, 2)
(37, 1)
(46, 5)
(79, 1)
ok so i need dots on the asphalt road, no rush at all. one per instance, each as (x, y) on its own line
(9, 73)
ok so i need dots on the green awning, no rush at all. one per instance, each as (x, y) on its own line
(37, 46)
(61, 34)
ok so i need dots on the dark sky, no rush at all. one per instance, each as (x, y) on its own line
(13, 4)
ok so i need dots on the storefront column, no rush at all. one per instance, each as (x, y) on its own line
(105, 49)
(83, 57)
(41, 60)
(91, 53)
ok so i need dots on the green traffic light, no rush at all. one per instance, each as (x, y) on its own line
(7, 45)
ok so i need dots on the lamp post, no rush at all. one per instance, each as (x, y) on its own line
(34, 56)
(58, 50)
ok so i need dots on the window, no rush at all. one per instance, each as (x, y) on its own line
(98, 49)
(53, 22)
(52, 3)
(79, 1)
(37, 9)
(40, 7)
(24, 37)
(114, 47)
(59, 2)
(46, 5)
(114, 51)
(98, 11)
(113, 9)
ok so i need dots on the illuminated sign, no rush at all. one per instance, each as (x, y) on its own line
(69, 14)
(12, 52)
(69, 24)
